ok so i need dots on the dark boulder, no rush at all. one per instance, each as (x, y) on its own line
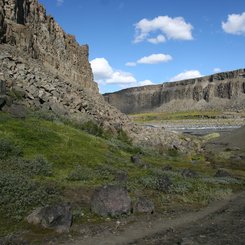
(17, 111)
(136, 159)
(57, 217)
(3, 100)
(188, 173)
(111, 200)
(144, 205)
(222, 173)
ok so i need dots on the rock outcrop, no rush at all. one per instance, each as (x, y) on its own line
(220, 91)
(111, 200)
(25, 25)
(57, 217)
(43, 68)
(46, 68)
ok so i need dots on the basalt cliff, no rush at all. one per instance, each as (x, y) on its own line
(42, 68)
(222, 91)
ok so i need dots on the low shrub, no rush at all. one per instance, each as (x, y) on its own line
(80, 173)
(9, 149)
(39, 166)
(19, 194)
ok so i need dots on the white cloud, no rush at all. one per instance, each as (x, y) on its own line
(155, 59)
(235, 24)
(170, 28)
(216, 70)
(158, 39)
(120, 77)
(145, 82)
(105, 74)
(186, 75)
(60, 2)
(130, 64)
(101, 69)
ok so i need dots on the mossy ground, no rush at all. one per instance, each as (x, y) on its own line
(49, 161)
(159, 116)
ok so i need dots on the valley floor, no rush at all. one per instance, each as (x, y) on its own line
(222, 222)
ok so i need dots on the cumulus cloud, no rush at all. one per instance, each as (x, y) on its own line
(186, 75)
(170, 28)
(130, 64)
(120, 77)
(235, 24)
(101, 69)
(216, 70)
(155, 59)
(145, 82)
(104, 74)
(156, 40)
(60, 2)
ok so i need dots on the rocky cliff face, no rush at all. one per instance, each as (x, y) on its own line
(25, 25)
(46, 68)
(220, 91)
(43, 68)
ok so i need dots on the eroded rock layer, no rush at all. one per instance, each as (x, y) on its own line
(220, 91)
(43, 68)
(25, 25)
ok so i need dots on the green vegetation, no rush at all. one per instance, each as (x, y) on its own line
(47, 161)
(159, 116)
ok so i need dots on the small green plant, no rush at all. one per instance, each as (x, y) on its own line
(19, 194)
(39, 166)
(80, 173)
(9, 149)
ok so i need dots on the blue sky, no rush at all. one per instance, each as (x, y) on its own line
(140, 42)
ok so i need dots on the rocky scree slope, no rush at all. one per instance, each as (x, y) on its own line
(221, 91)
(44, 68)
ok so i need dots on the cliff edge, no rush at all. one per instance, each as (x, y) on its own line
(45, 69)
(221, 91)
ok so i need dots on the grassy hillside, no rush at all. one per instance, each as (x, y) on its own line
(49, 161)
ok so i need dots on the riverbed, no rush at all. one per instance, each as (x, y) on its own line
(198, 127)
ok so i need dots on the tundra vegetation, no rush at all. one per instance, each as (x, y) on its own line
(47, 160)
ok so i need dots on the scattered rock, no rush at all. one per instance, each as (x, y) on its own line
(3, 100)
(57, 217)
(144, 205)
(136, 159)
(188, 173)
(17, 111)
(111, 200)
(222, 173)
(163, 183)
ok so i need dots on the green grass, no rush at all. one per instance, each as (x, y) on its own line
(49, 161)
(160, 116)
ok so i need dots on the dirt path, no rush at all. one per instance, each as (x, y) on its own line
(222, 222)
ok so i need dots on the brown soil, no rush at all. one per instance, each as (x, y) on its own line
(233, 140)
(222, 222)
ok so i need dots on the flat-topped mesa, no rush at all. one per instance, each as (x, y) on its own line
(224, 90)
(24, 24)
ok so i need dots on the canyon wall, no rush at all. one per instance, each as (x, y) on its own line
(25, 25)
(221, 91)
(44, 69)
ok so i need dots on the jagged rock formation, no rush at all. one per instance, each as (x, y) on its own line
(25, 25)
(47, 67)
(220, 91)
(43, 68)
